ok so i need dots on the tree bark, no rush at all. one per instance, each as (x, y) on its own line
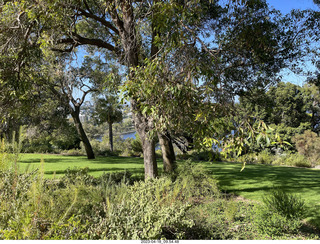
(168, 155)
(76, 118)
(143, 126)
(110, 137)
(127, 32)
(149, 156)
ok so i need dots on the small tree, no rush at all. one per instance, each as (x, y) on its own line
(308, 144)
(108, 110)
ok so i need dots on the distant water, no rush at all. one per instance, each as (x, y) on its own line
(128, 135)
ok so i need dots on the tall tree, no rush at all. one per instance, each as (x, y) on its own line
(64, 85)
(237, 47)
(108, 110)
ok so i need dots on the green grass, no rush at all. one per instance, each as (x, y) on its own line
(255, 181)
(252, 183)
(55, 165)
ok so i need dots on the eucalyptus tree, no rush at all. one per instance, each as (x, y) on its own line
(19, 62)
(236, 47)
(104, 72)
(71, 87)
(116, 27)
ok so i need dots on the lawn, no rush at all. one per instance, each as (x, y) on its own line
(55, 165)
(255, 181)
(252, 183)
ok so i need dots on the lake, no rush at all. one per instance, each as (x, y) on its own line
(128, 135)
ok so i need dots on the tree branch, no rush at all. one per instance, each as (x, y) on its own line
(78, 40)
(89, 14)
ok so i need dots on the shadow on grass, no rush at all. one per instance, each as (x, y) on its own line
(76, 159)
(255, 181)
(265, 176)
(102, 170)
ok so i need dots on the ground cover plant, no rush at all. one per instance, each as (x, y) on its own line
(185, 205)
(202, 201)
(257, 180)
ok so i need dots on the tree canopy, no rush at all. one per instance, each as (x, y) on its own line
(186, 62)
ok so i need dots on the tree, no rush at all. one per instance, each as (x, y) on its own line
(245, 55)
(63, 85)
(308, 144)
(108, 110)
(288, 105)
(117, 30)
(19, 63)
(311, 96)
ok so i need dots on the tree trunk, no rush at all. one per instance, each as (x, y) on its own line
(82, 134)
(168, 155)
(129, 41)
(149, 158)
(143, 126)
(110, 137)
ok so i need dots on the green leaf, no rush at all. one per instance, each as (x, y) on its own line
(243, 166)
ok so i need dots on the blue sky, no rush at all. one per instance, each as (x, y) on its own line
(285, 6)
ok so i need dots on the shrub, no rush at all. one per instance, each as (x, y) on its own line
(136, 146)
(73, 152)
(195, 180)
(285, 204)
(222, 219)
(208, 155)
(146, 210)
(292, 159)
(300, 161)
(248, 158)
(308, 145)
(280, 213)
(265, 157)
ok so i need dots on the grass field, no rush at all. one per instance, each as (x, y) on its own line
(252, 183)
(55, 165)
(255, 181)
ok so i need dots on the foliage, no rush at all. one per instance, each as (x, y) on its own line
(187, 205)
(292, 159)
(136, 146)
(288, 205)
(223, 219)
(144, 211)
(308, 145)
(265, 157)
(38, 140)
(80, 206)
(281, 213)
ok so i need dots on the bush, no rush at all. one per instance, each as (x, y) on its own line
(292, 159)
(208, 155)
(308, 145)
(223, 219)
(73, 152)
(280, 213)
(136, 146)
(147, 210)
(285, 204)
(265, 157)
(195, 180)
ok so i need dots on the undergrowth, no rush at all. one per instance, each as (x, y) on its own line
(184, 205)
